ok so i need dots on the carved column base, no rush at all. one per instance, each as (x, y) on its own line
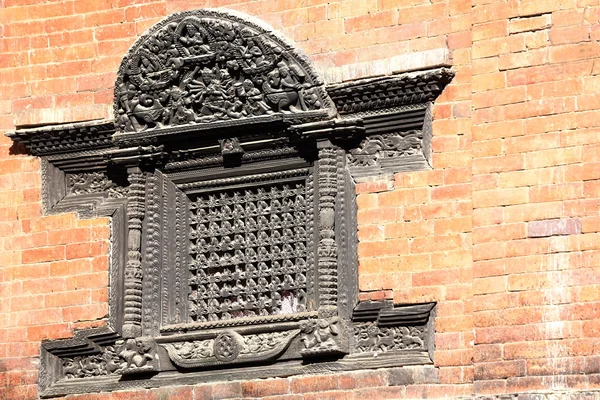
(132, 331)
(138, 356)
(323, 336)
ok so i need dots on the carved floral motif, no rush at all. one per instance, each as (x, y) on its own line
(372, 338)
(390, 145)
(199, 68)
(94, 182)
(229, 347)
(126, 356)
(105, 363)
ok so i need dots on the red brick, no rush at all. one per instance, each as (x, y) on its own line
(267, 387)
(306, 384)
(498, 130)
(499, 233)
(332, 395)
(526, 177)
(565, 191)
(418, 179)
(498, 46)
(66, 23)
(102, 18)
(43, 254)
(497, 370)
(490, 386)
(490, 198)
(574, 52)
(29, 241)
(26, 303)
(69, 298)
(87, 281)
(56, 331)
(404, 197)
(379, 215)
(532, 23)
(451, 192)
(363, 379)
(117, 31)
(534, 211)
(69, 236)
(86, 312)
(553, 227)
(423, 13)
(85, 7)
(526, 59)
(440, 243)
(80, 250)
(373, 187)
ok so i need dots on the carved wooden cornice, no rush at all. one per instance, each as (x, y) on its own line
(66, 138)
(368, 95)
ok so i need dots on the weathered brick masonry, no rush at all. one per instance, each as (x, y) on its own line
(502, 232)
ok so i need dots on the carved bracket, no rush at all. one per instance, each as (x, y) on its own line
(323, 337)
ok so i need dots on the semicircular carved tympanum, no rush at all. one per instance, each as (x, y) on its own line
(206, 66)
(228, 173)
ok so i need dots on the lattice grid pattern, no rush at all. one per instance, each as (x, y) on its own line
(248, 251)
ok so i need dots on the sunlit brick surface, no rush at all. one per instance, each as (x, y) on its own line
(502, 233)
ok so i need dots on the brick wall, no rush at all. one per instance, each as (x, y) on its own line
(503, 233)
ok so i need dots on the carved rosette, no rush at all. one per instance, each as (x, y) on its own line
(206, 66)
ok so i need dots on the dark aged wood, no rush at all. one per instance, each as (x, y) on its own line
(228, 175)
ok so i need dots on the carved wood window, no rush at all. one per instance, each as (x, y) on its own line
(229, 175)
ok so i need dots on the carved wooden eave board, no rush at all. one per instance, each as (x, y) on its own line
(228, 174)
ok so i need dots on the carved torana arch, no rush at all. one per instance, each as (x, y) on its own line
(209, 65)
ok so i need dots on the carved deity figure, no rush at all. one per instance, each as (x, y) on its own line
(135, 355)
(213, 100)
(283, 90)
(148, 113)
(319, 333)
(194, 41)
(179, 112)
(254, 55)
(254, 104)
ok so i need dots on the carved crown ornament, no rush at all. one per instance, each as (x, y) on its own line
(228, 173)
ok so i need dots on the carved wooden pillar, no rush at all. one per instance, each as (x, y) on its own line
(132, 318)
(327, 248)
